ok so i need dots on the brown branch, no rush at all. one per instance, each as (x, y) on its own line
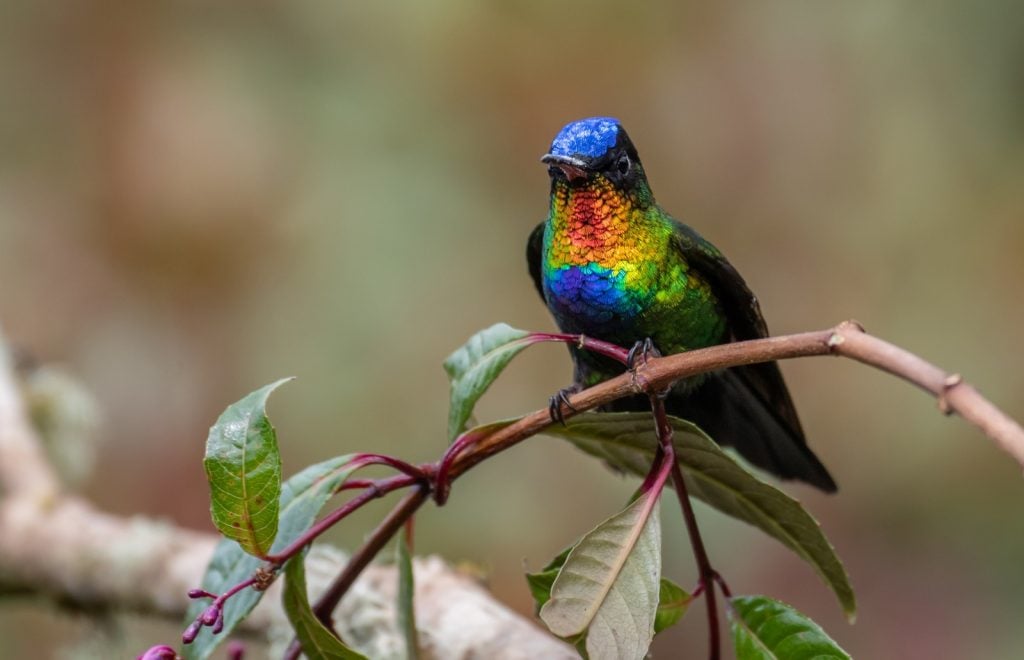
(847, 339)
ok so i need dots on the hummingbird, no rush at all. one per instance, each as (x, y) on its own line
(612, 264)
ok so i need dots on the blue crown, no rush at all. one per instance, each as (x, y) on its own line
(591, 137)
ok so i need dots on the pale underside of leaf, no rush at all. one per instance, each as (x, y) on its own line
(609, 585)
(627, 442)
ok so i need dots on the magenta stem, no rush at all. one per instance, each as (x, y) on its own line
(442, 485)
(708, 575)
(607, 349)
(362, 460)
(377, 489)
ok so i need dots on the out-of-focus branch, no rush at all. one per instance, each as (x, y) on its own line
(53, 542)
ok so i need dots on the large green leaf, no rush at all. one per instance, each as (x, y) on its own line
(627, 441)
(243, 467)
(302, 497)
(765, 629)
(406, 589)
(318, 643)
(608, 587)
(472, 368)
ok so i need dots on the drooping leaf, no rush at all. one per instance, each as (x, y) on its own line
(472, 368)
(406, 589)
(243, 468)
(627, 441)
(608, 587)
(673, 601)
(765, 629)
(318, 643)
(302, 497)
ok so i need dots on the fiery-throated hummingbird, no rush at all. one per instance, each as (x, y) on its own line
(610, 263)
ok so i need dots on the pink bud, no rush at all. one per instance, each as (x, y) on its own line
(162, 652)
(191, 632)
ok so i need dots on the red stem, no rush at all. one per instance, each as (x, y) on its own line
(604, 348)
(708, 575)
(362, 460)
(377, 489)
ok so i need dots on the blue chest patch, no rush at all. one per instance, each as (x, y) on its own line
(588, 298)
(591, 137)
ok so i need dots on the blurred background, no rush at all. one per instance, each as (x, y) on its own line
(199, 198)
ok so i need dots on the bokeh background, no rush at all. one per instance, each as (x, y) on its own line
(198, 198)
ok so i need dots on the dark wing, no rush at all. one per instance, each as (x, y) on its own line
(780, 447)
(534, 247)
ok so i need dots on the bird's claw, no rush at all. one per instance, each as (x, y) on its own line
(636, 358)
(557, 400)
(643, 350)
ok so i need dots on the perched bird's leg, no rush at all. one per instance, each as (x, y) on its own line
(637, 357)
(560, 398)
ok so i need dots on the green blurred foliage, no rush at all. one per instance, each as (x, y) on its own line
(199, 198)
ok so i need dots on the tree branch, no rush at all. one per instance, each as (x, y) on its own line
(847, 339)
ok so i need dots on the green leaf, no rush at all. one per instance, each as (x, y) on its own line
(627, 441)
(673, 601)
(608, 586)
(472, 368)
(302, 497)
(406, 589)
(540, 583)
(765, 629)
(318, 643)
(243, 467)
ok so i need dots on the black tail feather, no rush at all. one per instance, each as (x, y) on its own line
(730, 411)
(733, 414)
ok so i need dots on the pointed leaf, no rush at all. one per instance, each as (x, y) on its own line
(406, 589)
(472, 368)
(673, 601)
(765, 629)
(243, 467)
(627, 441)
(302, 497)
(318, 643)
(608, 586)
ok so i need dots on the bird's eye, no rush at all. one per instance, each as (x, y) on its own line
(623, 165)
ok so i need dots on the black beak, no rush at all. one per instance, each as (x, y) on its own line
(573, 168)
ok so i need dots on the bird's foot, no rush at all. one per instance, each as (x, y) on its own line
(559, 399)
(636, 358)
(641, 350)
